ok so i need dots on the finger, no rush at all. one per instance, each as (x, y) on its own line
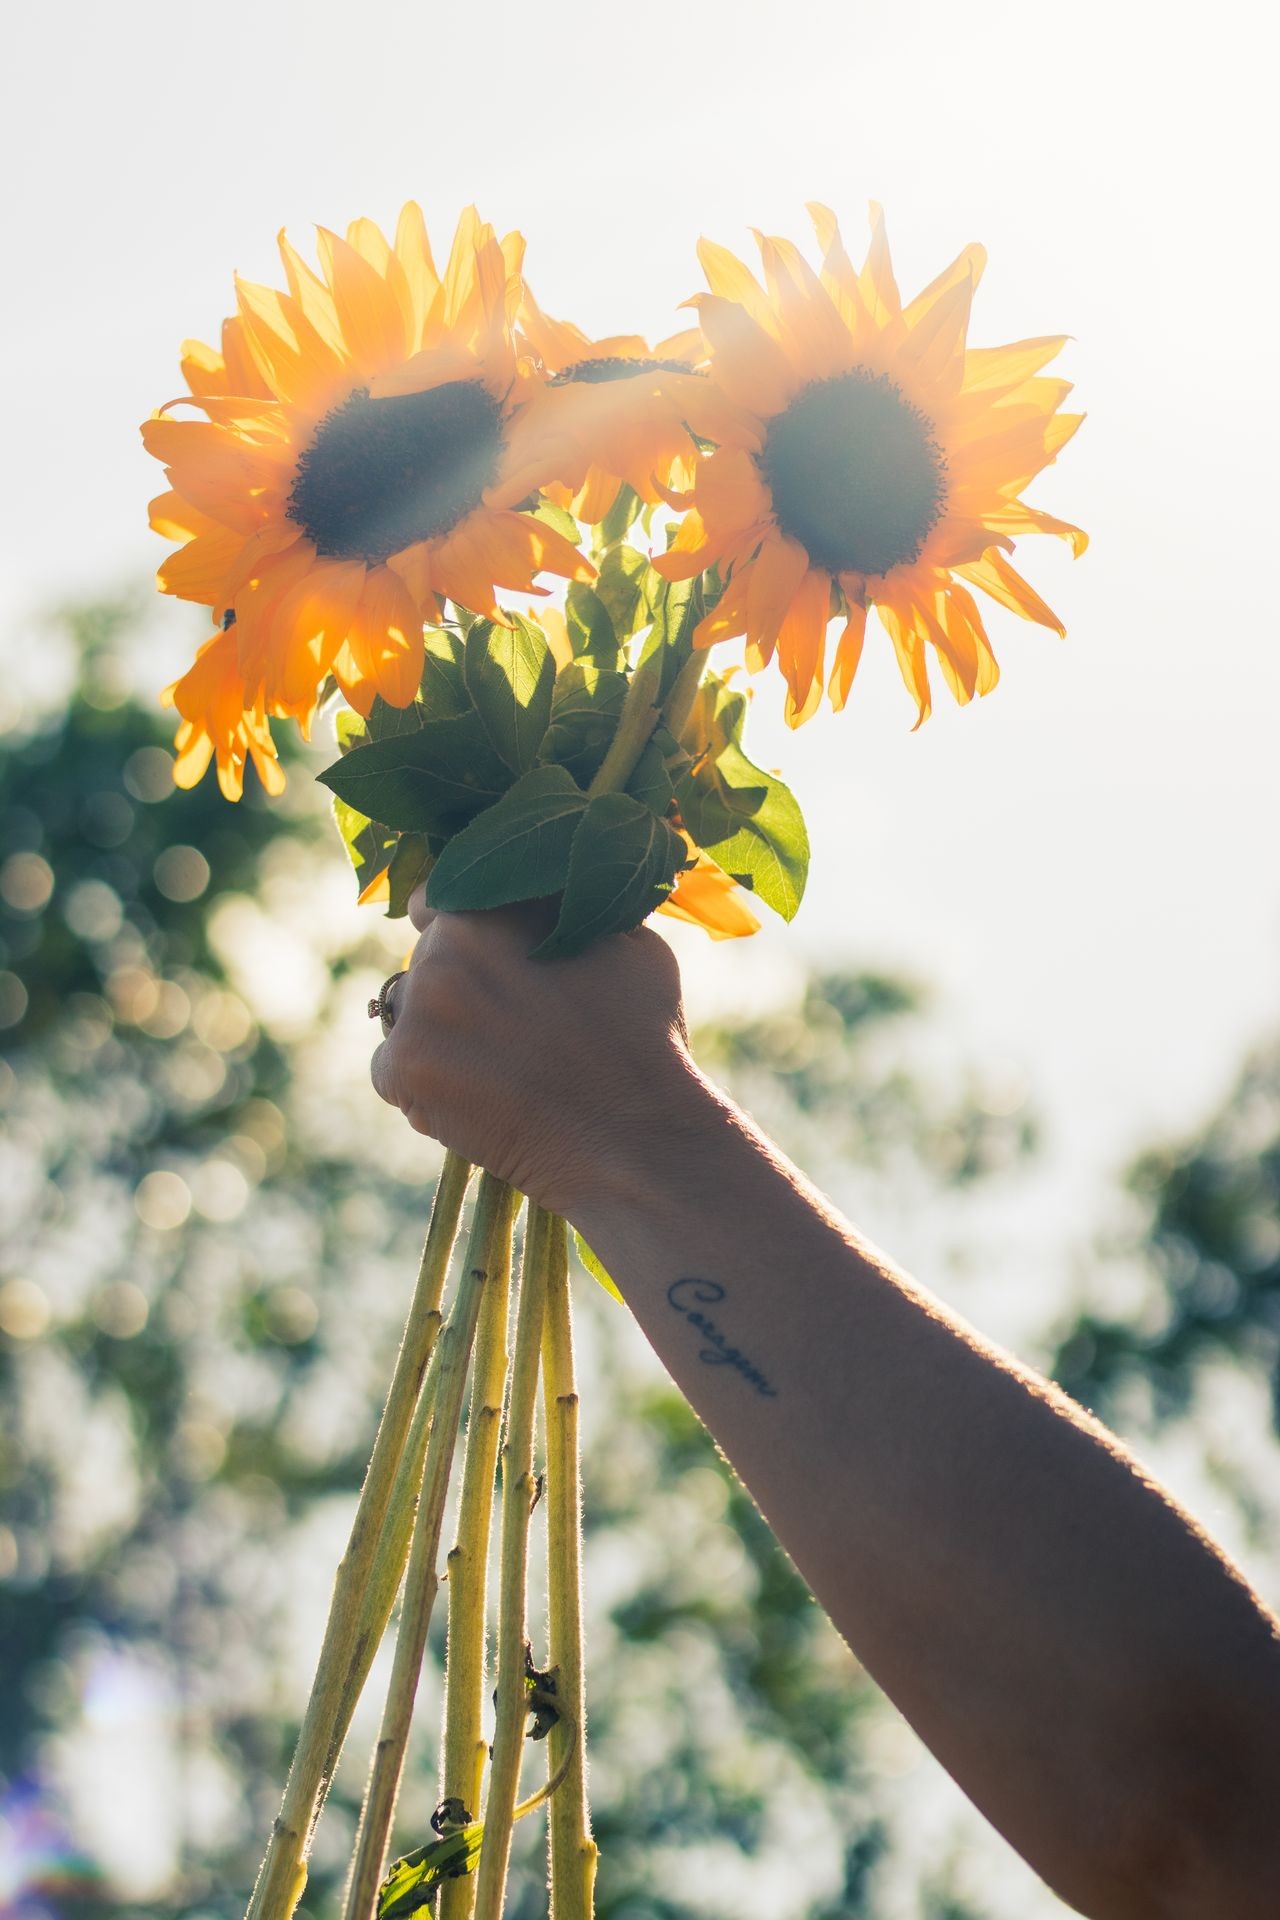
(382, 1073)
(420, 913)
(391, 1002)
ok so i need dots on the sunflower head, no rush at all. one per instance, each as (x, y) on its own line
(875, 459)
(362, 459)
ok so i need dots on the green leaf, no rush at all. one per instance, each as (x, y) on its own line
(591, 632)
(620, 517)
(650, 782)
(594, 1268)
(585, 703)
(432, 780)
(622, 864)
(747, 819)
(410, 865)
(559, 519)
(620, 587)
(443, 692)
(350, 728)
(387, 722)
(509, 674)
(517, 849)
(369, 846)
(414, 1880)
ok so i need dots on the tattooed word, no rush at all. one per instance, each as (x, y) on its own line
(688, 1297)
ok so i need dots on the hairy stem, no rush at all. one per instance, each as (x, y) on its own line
(349, 1637)
(678, 704)
(573, 1852)
(463, 1746)
(519, 1490)
(488, 1251)
(636, 722)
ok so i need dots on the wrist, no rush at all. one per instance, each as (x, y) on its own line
(653, 1150)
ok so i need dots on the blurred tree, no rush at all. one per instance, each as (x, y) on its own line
(190, 1375)
(1208, 1236)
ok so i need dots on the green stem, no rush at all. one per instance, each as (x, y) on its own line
(639, 716)
(678, 704)
(573, 1852)
(488, 1252)
(283, 1872)
(519, 1491)
(463, 1747)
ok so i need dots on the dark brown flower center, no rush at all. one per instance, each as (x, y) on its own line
(855, 473)
(381, 474)
(613, 366)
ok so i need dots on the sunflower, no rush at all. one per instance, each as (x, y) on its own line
(362, 458)
(618, 411)
(876, 460)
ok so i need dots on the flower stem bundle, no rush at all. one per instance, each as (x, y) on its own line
(374, 455)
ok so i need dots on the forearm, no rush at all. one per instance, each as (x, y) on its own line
(1078, 1656)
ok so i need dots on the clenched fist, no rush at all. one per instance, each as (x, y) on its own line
(543, 1071)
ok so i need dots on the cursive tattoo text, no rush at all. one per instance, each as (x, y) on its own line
(688, 1297)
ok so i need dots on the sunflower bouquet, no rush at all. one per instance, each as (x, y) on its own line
(374, 455)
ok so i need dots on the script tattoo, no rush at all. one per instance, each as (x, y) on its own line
(688, 1297)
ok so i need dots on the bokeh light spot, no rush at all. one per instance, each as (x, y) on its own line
(181, 873)
(162, 1200)
(148, 775)
(24, 1310)
(13, 999)
(93, 910)
(26, 882)
(120, 1309)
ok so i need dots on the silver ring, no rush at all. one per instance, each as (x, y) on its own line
(381, 1007)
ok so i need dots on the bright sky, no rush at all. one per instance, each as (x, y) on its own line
(1086, 861)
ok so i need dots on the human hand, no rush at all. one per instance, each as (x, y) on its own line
(545, 1072)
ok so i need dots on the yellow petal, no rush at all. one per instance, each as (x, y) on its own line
(877, 288)
(908, 647)
(1016, 517)
(848, 654)
(816, 338)
(372, 323)
(707, 897)
(1004, 584)
(801, 643)
(384, 646)
(745, 360)
(774, 578)
(413, 251)
(199, 571)
(731, 280)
